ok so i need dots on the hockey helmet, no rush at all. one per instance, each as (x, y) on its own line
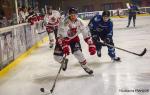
(72, 10)
(106, 13)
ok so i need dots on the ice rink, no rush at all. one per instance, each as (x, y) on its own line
(129, 77)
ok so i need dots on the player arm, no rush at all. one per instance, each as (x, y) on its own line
(88, 39)
(84, 30)
(90, 24)
(62, 31)
(110, 30)
(46, 20)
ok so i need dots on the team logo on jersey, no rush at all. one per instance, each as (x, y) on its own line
(96, 19)
(53, 19)
(71, 34)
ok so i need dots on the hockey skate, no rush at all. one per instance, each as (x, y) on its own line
(116, 59)
(51, 45)
(64, 64)
(99, 53)
(87, 69)
(127, 26)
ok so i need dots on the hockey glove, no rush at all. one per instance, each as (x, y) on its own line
(66, 49)
(99, 29)
(107, 40)
(65, 46)
(92, 48)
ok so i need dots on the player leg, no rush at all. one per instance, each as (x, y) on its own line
(77, 52)
(55, 32)
(134, 18)
(111, 51)
(58, 56)
(96, 40)
(129, 20)
(51, 39)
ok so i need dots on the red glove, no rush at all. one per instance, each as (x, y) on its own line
(66, 49)
(59, 41)
(65, 46)
(92, 48)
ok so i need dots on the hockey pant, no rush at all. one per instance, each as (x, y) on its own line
(75, 49)
(130, 18)
(51, 36)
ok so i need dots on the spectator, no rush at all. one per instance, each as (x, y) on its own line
(3, 19)
(1, 16)
(23, 13)
(3, 22)
(132, 14)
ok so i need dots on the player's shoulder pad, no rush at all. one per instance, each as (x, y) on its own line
(97, 18)
(111, 20)
(82, 22)
(66, 20)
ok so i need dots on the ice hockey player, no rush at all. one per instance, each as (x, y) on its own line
(51, 21)
(68, 39)
(132, 14)
(101, 28)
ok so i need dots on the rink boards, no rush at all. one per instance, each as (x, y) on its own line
(16, 40)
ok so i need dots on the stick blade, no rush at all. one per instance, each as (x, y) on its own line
(45, 91)
(41, 32)
(51, 91)
(52, 88)
(143, 53)
(42, 89)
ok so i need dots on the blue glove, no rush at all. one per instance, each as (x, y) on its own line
(107, 40)
(99, 29)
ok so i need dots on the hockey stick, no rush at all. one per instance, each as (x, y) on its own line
(41, 32)
(140, 54)
(53, 87)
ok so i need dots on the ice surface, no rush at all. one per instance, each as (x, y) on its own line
(124, 78)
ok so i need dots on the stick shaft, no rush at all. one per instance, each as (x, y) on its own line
(121, 49)
(56, 77)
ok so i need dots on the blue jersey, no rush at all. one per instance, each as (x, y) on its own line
(133, 9)
(101, 28)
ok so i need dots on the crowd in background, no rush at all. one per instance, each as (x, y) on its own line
(24, 14)
(3, 19)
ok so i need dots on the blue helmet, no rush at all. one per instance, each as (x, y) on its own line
(106, 13)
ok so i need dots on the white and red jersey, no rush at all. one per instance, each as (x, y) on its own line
(52, 21)
(70, 29)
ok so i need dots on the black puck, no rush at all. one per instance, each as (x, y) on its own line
(42, 89)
